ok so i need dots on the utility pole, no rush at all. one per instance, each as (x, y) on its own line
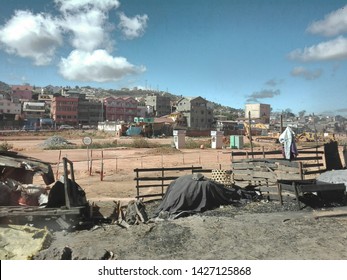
(250, 132)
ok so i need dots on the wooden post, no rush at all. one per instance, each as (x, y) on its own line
(137, 183)
(250, 132)
(301, 172)
(59, 157)
(88, 158)
(102, 166)
(162, 182)
(91, 162)
(281, 127)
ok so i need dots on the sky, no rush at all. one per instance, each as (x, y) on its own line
(291, 54)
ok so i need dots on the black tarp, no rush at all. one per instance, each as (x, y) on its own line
(192, 195)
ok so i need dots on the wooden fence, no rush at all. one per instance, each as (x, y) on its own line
(270, 165)
(160, 178)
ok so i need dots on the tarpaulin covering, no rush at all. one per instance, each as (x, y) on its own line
(192, 195)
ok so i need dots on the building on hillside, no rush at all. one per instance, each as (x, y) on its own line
(10, 109)
(120, 109)
(35, 110)
(90, 111)
(142, 111)
(258, 111)
(161, 104)
(180, 121)
(64, 110)
(22, 92)
(197, 112)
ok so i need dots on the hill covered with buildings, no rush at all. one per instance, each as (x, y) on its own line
(53, 106)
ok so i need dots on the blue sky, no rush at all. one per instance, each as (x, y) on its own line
(289, 54)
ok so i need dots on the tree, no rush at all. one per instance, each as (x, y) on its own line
(287, 113)
(302, 113)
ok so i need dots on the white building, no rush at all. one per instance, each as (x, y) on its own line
(258, 111)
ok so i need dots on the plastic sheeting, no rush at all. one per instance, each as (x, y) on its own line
(190, 195)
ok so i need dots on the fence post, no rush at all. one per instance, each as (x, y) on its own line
(91, 162)
(137, 183)
(102, 166)
(116, 164)
(59, 157)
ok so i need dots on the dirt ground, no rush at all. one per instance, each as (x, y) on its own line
(252, 231)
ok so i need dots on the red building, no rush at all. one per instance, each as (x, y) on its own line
(22, 92)
(64, 110)
(120, 108)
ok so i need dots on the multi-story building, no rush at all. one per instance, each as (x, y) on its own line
(90, 112)
(161, 104)
(34, 110)
(258, 111)
(196, 111)
(9, 109)
(64, 110)
(22, 92)
(120, 109)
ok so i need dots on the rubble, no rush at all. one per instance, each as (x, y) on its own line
(55, 141)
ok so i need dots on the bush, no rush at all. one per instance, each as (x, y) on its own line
(142, 143)
(4, 146)
(194, 144)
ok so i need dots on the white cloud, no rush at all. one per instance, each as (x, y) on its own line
(89, 32)
(77, 5)
(330, 50)
(86, 24)
(132, 27)
(305, 73)
(333, 24)
(97, 66)
(31, 36)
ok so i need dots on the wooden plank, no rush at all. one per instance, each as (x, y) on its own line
(310, 172)
(166, 178)
(242, 177)
(251, 165)
(256, 153)
(288, 168)
(321, 187)
(288, 163)
(152, 185)
(10, 211)
(265, 175)
(307, 158)
(288, 176)
(167, 169)
(333, 213)
(310, 165)
(202, 170)
(149, 195)
(310, 152)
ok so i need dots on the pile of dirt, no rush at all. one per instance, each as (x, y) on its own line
(55, 141)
